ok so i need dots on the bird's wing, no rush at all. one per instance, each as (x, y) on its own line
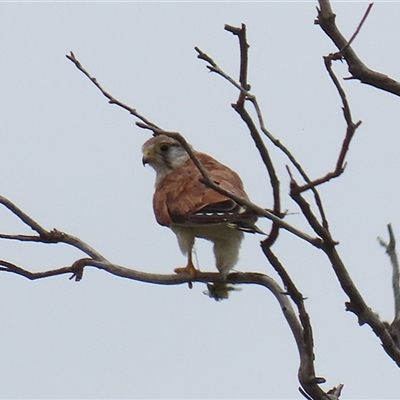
(182, 199)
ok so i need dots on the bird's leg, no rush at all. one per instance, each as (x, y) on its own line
(189, 269)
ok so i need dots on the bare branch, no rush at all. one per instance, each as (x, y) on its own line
(390, 248)
(25, 218)
(306, 373)
(357, 304)
(262, 149)
(171, 279)
(213, 67)
(358, 70)
(203, 56)
(177, 279)
(391, 252)
(76, 269)
(6, 266)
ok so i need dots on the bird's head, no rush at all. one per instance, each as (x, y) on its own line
(164, 154)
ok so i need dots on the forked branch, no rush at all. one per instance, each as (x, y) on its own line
(350, 131)
(326, 20)
(44, 235)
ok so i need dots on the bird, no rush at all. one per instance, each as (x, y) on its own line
(183, 203)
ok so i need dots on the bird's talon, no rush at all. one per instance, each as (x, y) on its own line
(189, 269)
(181, 270)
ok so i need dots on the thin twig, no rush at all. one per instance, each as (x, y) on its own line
(350, 131)
(213, 67)
(6, 266)
(25, 218)
(46, 236)
(112, 99)
(244, 59)
(357, 31)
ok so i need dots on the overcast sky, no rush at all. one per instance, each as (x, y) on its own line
(72, 161)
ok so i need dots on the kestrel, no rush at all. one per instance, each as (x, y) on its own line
(193, 210)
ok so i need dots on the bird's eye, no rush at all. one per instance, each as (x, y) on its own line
(164, 148)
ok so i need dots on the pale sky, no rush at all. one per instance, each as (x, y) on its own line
(73, 162)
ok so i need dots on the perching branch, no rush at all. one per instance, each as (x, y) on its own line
(244, 278)
(76, 270)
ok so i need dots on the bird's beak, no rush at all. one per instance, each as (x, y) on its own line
(147, 157)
